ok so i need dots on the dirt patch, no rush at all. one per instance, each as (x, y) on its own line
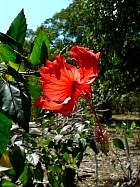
(113, 169)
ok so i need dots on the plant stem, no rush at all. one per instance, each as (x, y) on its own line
(93, 110)
(128, 155)
(96, 170)
(101, 135)
(117, 157)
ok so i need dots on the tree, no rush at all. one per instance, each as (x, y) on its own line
(109, 26)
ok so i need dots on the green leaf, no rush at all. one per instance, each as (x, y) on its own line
(93, 146)
(41, 48)
(24, 177)
(7, 183)
(79, 158)
(5, 39)
(66, 156)
(125, 125)
(14, 47)
(44, 52)
(5, 125)
(18, 67)
(55, 169)
(18, 28)
(133, 125)
(17, 76)
(38, 172)
(10, 173)
(82, 144)
(6, 53)
(105, 148)
(118, 143)
(69, 176)
(130, 133)
(34, 87)
(17, 159)
(15, 102)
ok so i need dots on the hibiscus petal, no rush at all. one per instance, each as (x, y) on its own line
(38, 102)
(50, 105)
(44, 103)
(57, 78)
(83, 90)
(68, 108)
(83, 56)
(56, 92)
(87, 61)
(65, 108)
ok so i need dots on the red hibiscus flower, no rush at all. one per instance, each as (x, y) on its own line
(63, 84)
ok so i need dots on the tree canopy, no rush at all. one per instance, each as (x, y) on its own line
(109, 26)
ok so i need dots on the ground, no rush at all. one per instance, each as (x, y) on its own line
(113, 168)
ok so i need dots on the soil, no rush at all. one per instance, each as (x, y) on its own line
(114, 169)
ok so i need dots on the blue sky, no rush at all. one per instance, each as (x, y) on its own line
(36, 11)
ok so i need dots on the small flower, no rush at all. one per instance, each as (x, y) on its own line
(63, 84)
(101, 135)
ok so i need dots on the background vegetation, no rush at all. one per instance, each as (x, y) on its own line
(113, 28)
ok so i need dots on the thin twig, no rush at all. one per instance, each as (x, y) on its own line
(96, 170)
(119, 162)
(128, 155)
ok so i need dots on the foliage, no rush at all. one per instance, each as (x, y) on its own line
(40, 50)
(15, 102)
(5, 125)
(18, 27)
(111, 27)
